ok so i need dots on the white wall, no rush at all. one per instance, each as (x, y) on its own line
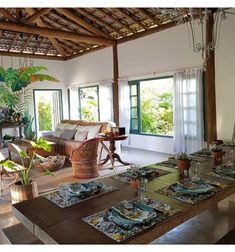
(55, 68)
(150, 56)
(225, 79)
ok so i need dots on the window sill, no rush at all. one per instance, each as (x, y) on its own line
(150, 135)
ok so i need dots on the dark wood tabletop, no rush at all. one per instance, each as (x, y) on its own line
(54, 225)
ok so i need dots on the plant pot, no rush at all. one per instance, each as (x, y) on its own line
(134, 183)
(85, 169)
(21, 192)
(217, 156)
(183, 164)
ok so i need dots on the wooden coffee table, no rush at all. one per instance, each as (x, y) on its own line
(29, 149)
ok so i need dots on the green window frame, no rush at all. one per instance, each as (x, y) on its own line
(79, 99)
(135, 108)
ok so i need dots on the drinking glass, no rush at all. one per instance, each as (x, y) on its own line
(195, 171)
(229, 157)
(142, 189)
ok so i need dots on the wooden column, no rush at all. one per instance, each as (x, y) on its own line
(115, 85)
(210, 87)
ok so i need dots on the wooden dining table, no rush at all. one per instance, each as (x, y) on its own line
(54, 225)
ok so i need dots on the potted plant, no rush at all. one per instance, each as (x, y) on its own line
(25, 188)
(183, 164)
(217, 153)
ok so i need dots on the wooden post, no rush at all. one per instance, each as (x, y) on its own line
(210, 87)
(115, 85)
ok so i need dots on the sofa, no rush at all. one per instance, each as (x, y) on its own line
(66, 143)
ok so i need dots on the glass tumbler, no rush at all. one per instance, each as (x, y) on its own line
(195, 171)
(142, 189)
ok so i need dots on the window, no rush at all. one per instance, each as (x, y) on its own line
(89, 103)
(151, 103)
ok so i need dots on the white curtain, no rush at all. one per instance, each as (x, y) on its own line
(124, 106)
(188, 111)
(74, 103)
(106, 101)
(56, 110)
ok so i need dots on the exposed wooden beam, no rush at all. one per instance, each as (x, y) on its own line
(97, 20)
(147, 32)
(7, 14)
(29, 55)
(40, 23)
(53, 33)
(116, 20)
(37, 15)
(69, 14)
(27, 42)
(115, 85)
(210, 87)
(18, 14)
(1, 33)
(13, 41)
(122, 12)
(146, 14)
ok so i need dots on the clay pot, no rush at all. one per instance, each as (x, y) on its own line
(183, 164)
(217, 156)
(21, 192)
(134, 183)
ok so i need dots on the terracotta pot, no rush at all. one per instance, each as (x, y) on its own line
(134, 184)
(21, 192)
(217, 156)
(183, 164)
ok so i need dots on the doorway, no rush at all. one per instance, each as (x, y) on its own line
(47, 109)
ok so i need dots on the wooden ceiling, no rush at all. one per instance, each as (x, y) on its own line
(65, 33)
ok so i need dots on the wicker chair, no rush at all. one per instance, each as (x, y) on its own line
(84, 159)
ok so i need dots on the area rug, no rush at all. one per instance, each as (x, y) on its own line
(148, 172)
(71, 194)
(129, 218)
(191, 192)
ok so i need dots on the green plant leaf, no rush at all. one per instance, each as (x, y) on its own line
(22, 153)
(12, 165)
(48, 173)
(41, 144)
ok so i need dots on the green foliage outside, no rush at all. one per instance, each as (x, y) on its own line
(156, 112)
(89, 104)
(44, 115)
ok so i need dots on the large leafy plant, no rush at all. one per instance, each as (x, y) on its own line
(24, 176)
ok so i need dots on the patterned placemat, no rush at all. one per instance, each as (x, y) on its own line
(191, 192)
(203, 153)
(129, 218)
(171, 163)
(148, 172)
(224, 171)
(71, 194)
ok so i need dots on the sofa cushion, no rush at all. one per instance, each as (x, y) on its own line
(93, 131)
(80, 135)
(68, 134)
(70, 126)
(61, 126)
(57, 133)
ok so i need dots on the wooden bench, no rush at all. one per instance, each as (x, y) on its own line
(18, 234)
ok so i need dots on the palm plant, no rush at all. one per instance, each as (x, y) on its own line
(24, 177)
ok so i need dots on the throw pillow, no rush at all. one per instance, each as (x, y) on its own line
(80, 135)
(61, 126)
(68, 134)
(58, 133)
(93, 131)
(70, 126)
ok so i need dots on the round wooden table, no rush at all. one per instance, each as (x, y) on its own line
(112, 155)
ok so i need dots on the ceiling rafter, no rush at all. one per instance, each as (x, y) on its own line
(13, 41)
(122, 12)
(146, 14)
(7, 14)
(81, 22)
(27, 42)
(32, 18)
(97, 20)
(115, 20)
(39, 22)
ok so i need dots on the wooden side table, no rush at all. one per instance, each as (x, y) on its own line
(112, 155)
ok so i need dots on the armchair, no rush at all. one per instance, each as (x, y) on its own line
(84, 159)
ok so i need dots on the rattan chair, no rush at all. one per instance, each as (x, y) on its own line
(84, 159)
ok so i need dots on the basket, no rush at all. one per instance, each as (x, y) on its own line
(51, 163)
